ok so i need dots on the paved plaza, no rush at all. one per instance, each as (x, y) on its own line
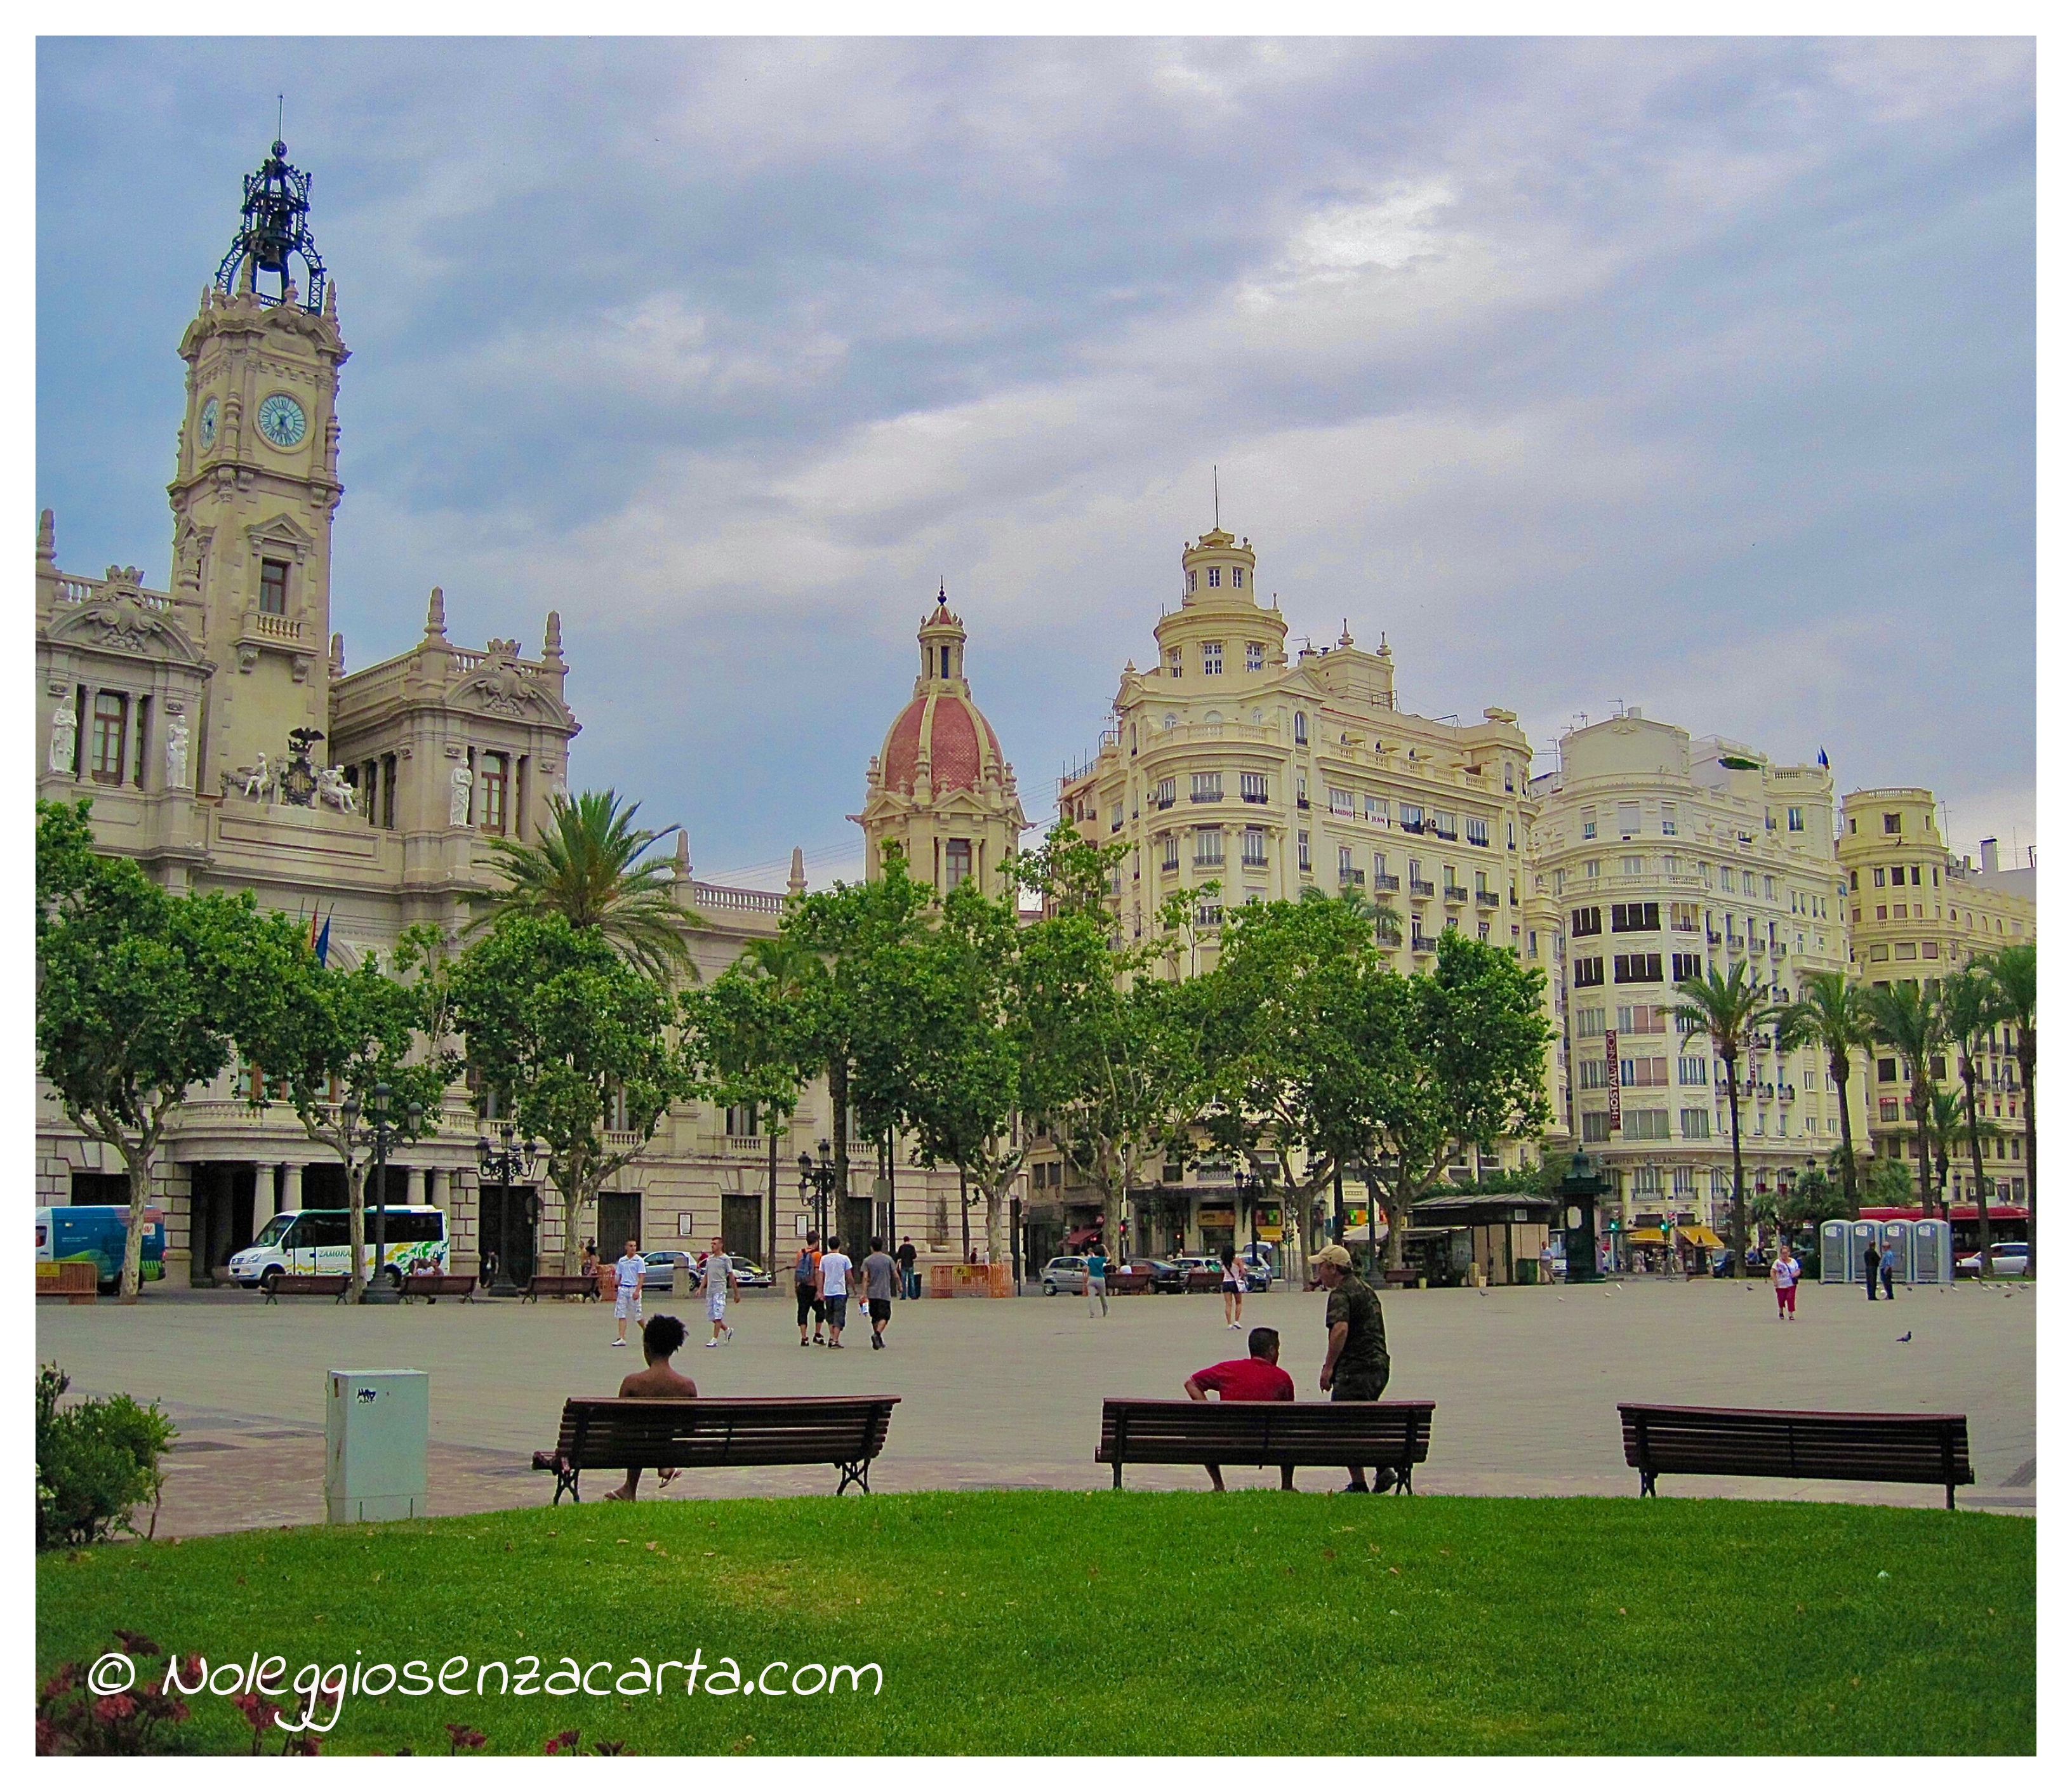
(1007, 1393)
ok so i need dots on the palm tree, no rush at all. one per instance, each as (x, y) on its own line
(1829, 1013)
(1903, 1016)
(784, 965)
(586, 867)
(2012, 969)
(1726, 1010)
(1971, 1010)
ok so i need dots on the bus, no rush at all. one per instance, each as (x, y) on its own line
(313, 1241)
(73, 1235)
(2009, 1222)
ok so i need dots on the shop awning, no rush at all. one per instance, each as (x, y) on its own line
(1701, 1236)
(1647, 1234)
(1073, 1239)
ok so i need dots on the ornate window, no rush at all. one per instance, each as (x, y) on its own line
(957, 862)
(1255, 657)
(273, 587)
(1212, 658)
(495, 781)
(111, 729)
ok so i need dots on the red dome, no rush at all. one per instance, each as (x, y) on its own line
(954, 730)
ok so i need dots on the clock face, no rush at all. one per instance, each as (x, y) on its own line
(208, 424)
(281, 421)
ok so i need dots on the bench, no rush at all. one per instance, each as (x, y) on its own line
(432, 1287)
(1928, 1448)
(274, 1287)
(1204, 1281)
(1390, 1434)
(843, 1431)
(584, 1285)
(1400, 1278)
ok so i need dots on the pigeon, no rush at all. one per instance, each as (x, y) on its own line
(1905, 1338)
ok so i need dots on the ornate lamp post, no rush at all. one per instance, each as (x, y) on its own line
(380, 1289)
(511, 1162)
(817, 1185)
(1578, 1194)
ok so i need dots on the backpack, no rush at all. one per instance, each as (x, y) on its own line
(802, 1271)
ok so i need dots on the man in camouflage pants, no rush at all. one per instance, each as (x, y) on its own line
(1356, 1359)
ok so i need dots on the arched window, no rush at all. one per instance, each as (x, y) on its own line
(1301, 728)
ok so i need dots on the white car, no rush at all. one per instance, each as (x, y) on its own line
(2010, 1258)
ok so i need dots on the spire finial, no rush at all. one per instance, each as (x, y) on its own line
(47, 537)
(683, 855)
(550, 650)
(798, 879)
(435, 613)
(1216, 494)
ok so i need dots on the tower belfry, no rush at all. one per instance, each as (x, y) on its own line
(272, 234)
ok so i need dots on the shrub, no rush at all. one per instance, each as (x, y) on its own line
(97, 1461)
(72, 1720)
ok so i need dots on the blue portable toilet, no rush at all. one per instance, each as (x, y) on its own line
(1836, 1264)
(1930, 1256)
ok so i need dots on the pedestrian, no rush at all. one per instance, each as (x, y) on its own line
(833, 1276)
(1784, 1278)
(1233, 1292)
(660, 1338)
(1356, 1357)
(806, 1285)
(589, 1256)
(1547, 1263)
(909, 1278)
(718, 1271)
(1258, 1376)
(1870, 1270)
(630, 1268)
(1096, 1279)
(877, 1271)
(1888, 1262)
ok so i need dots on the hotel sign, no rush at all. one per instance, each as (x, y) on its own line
(1611, 1079)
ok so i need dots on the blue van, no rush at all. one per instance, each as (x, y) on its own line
(67, 1234)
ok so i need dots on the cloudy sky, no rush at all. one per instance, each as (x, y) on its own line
(1697, 375)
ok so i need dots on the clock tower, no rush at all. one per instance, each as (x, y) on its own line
(256, 483)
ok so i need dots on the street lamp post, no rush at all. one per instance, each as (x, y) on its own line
(378, 1291)
(816, 1185)
(503, 1165)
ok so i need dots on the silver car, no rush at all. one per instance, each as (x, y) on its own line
(1065, 1276)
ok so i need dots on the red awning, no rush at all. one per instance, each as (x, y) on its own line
(1073, 1239)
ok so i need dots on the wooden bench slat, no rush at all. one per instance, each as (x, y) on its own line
(1922, 1448)
(845, 1431)
(1266, 1433)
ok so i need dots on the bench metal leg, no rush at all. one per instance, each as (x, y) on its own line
(565, 1481)
(1403, 1479)
(1118, 1474)
(1950, 1504)
(856, 1474)
(1647, 1482)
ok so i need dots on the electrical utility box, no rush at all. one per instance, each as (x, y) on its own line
(376, 1424)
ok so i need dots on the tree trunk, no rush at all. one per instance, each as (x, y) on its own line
(1839, 1069)
(355, 1225)
(1970, 1072)
(838, 1100)
(1739, 1226)
(1922, 1139)
(2025, 1056)
(139, 1163)
(963, 1215)
(773, 1191)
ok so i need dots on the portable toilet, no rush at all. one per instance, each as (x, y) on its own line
(1930, 1257)
(1836, 1263)
(1863, 1233)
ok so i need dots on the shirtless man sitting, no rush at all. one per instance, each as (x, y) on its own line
(660, 1338)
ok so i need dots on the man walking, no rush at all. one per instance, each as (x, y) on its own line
(806, 1285)
(833, 1286)
(1356, 1356)
(630, 1268)
(660, 1338)
(1096, 1279)
(877, 1270)
(910, 1279)
(718, 1274)
(1256, 1377)
(1870, 1270)
(1888, 1262)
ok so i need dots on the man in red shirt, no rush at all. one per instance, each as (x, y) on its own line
(1257, 1377)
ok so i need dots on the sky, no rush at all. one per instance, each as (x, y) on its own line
(1693, 375)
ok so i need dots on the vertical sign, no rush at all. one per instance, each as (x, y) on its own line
(1612, 1079)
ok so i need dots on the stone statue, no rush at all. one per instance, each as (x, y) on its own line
(332, 788)
(64, 737)
(256, 779)
(463, 781)
(176, 753)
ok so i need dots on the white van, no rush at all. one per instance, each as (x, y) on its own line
(313, 1241)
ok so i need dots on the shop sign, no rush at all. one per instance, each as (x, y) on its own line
(1612, 1080)
(1217, 1216)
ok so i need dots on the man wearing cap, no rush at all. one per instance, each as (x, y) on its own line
(1356, 1358)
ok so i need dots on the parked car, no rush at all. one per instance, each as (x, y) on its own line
(662, 1270)
(1065, 1276)
(748, 1273)
(2010, 1258)
(1166, 1277)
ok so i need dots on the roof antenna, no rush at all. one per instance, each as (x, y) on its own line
(281, 115)
(1216, 495)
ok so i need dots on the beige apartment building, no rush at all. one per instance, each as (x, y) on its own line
(1666, 857)
(226, 746)
(1228, 762)
(1917, 911)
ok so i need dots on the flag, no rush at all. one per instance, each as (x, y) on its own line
(311, 941)
(1823, 758)
(323, 943)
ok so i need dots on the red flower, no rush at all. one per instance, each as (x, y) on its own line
(115, 1706)
(566, 1740)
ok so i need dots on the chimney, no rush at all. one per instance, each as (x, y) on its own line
(1989, 855)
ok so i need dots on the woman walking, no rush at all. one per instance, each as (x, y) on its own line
(1784, 1278)
(1096, 1280)
(1233, 1291)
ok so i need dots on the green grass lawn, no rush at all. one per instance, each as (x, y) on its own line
(1133, 1623)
